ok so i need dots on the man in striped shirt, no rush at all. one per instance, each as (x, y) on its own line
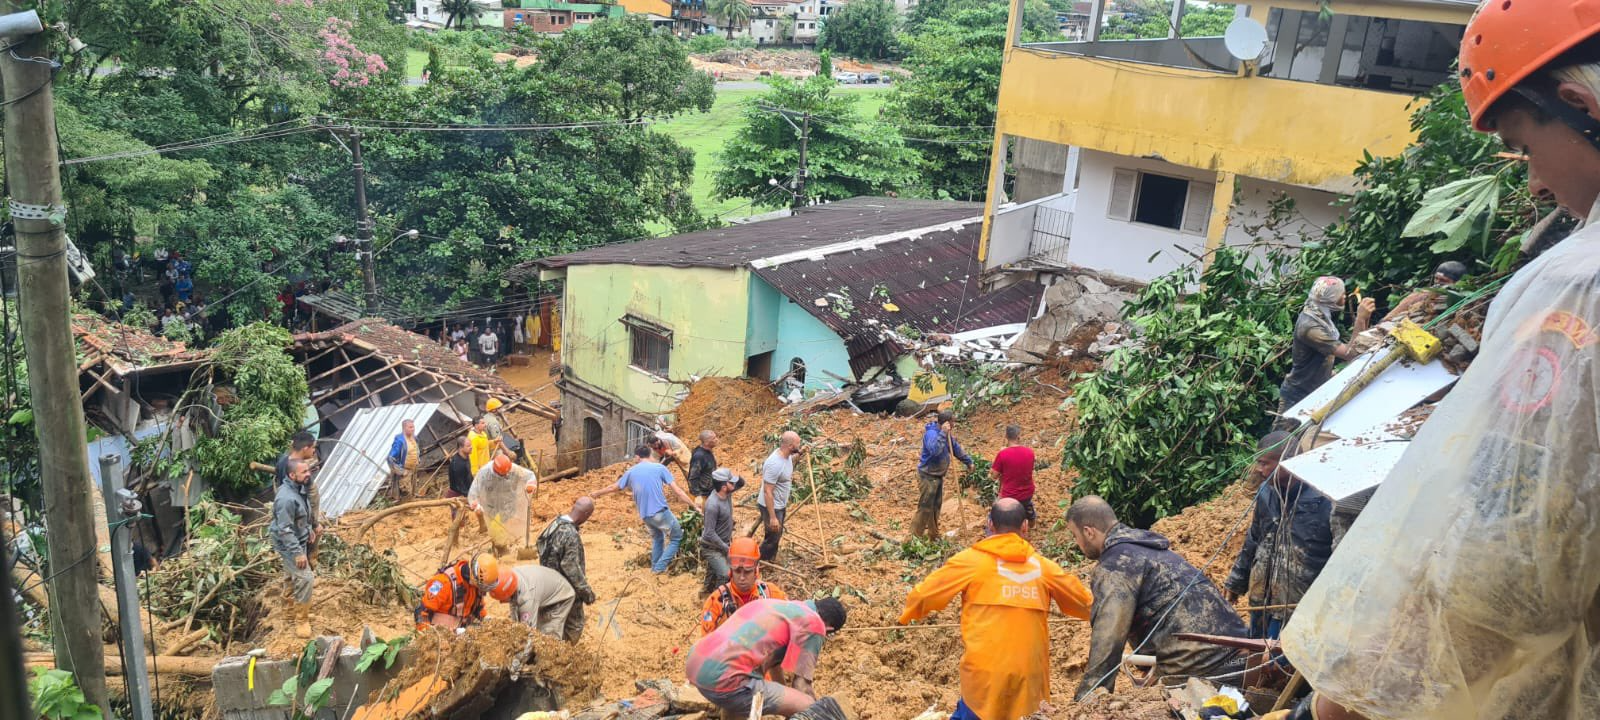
(776, 638)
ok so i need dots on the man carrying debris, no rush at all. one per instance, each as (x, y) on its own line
(777, 481)
(293, 532)
(1467, 588)
(745, 586)
(1290, 540)
(1144, 593)
(668, 449)
(766, 638)
(453, 597)
(539, 597)
(937, 447)
(1006, 588)
(561, 548)
(1426, 301)
(1014, 465)
(701, 464)
(499, 495)
(1316, 340)
(716, 527)
(645, 481)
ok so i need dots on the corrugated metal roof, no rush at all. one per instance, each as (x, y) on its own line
(357, 466)
(931, 278)
(736, 245)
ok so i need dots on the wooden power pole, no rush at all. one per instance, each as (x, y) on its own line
(38, 214)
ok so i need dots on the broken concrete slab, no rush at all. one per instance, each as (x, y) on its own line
(1071, 303)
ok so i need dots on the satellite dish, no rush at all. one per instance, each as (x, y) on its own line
(1245, 39)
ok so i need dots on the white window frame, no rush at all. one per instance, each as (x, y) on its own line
(637, 433)
(1127, 184)
(638, 328)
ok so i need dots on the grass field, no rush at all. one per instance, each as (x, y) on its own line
(416, 60)
(705, 134)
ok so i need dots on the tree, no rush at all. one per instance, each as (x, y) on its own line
(846, 155)
(825, 64)
(463, 14)
(1039, 22)
(864, 29)
(1152, 19)
(733, 13)
(628, 69)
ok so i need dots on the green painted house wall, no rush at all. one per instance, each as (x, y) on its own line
(707, 310)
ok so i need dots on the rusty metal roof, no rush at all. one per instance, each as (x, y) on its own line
(126, 348)
(931, 280)
(738, 245)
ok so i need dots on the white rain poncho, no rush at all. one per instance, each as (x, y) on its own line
(504, 501)
(1466, 587)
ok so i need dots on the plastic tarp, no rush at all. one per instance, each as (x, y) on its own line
(1468, 587)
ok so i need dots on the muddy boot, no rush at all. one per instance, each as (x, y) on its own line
(302, 616)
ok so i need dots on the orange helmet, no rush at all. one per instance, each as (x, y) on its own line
(744, 552)
(1507, 41)
(485, 570)
(504, 589)
(502, 465)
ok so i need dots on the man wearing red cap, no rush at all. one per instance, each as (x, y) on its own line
(1470, 586)
(744, 556)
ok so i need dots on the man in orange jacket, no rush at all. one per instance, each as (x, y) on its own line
(1006, 588)
(744, 585)
(453, 597)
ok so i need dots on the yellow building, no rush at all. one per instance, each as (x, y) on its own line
(1134, 157)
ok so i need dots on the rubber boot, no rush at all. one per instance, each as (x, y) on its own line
(302, 615)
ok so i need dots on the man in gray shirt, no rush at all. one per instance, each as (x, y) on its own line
(293, 533)
(717, 528)
(777, 479)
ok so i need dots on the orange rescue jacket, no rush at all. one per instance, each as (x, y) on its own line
(448, 593)
(1006, 588)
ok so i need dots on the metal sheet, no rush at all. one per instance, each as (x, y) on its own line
(357, 466)
(1345, 467)
(1397, 388)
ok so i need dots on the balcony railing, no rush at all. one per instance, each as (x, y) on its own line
(1037, 232)
(1206, 53)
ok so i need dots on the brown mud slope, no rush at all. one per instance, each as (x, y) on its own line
(643, 626)
(1129, 704)
(479, 656)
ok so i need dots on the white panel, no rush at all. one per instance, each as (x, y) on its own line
(1197, 209)
(1396, 389)
(1124, 185)
(1343, 468)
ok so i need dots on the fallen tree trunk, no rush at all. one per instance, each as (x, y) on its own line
(367, 524)
(186, 642)
(158, 664)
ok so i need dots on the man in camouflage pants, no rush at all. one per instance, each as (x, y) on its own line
(561, 549)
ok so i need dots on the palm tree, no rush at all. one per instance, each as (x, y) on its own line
(733, 13)
(463, 13)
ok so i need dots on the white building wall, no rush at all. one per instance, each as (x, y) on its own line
(1251, 223)
(1102, 243)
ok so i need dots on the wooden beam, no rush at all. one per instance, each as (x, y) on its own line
(336, 368)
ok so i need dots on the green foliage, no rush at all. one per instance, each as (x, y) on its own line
(1165, 425)
(846, 156)
(221, 574)
(978, 385)
(1152, 19)
(918, 550)
(54, 695)
(863, 29)
(385, 650)
(847, 483)
(979, 478)
(316, 696)
(19, 443)
(707, 43)
(1039, 22)
(270, 392)
(825, 64)
(462, 14)
(376, 571)
(733, 14)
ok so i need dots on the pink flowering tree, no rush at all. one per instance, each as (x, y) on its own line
(350, 66)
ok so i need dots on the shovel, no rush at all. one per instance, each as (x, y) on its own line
(817, 500)
(528, 551)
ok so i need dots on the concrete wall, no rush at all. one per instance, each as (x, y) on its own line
(705, 308)
(1125, 248)
(1313, 210)
(762, 335)
(802, 336)
(1040, 167)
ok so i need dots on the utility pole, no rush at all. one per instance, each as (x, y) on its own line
(122, 507)
(803, 131)
(369, 276)
(38, 213)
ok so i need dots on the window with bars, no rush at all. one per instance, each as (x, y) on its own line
(638, 433)
(650, 346)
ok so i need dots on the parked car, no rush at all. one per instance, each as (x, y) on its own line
(847, 78)
(871, 78)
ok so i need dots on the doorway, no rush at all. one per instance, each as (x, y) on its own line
(593, 441)
(759, 366)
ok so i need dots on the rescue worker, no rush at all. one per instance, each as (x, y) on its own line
(494, 497)
(745, 585)
(561, 548)
(716, 527)
(937, 447)
(482, 448)
(669, 450)
(539, 597)
(293, 534)
(1290, 539)
(1467, 588)
(453, 597)
(1144, 593)
(778, 639)
(1006, 588)
(1316, 342)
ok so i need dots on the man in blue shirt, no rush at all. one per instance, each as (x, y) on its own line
(645, 481)
(938, 446)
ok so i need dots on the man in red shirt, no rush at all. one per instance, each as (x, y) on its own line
(1014, 465)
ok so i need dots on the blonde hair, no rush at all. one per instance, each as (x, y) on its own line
(1585, 74)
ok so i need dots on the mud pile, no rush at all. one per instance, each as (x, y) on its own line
(1126, 704)
(1198, 531)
